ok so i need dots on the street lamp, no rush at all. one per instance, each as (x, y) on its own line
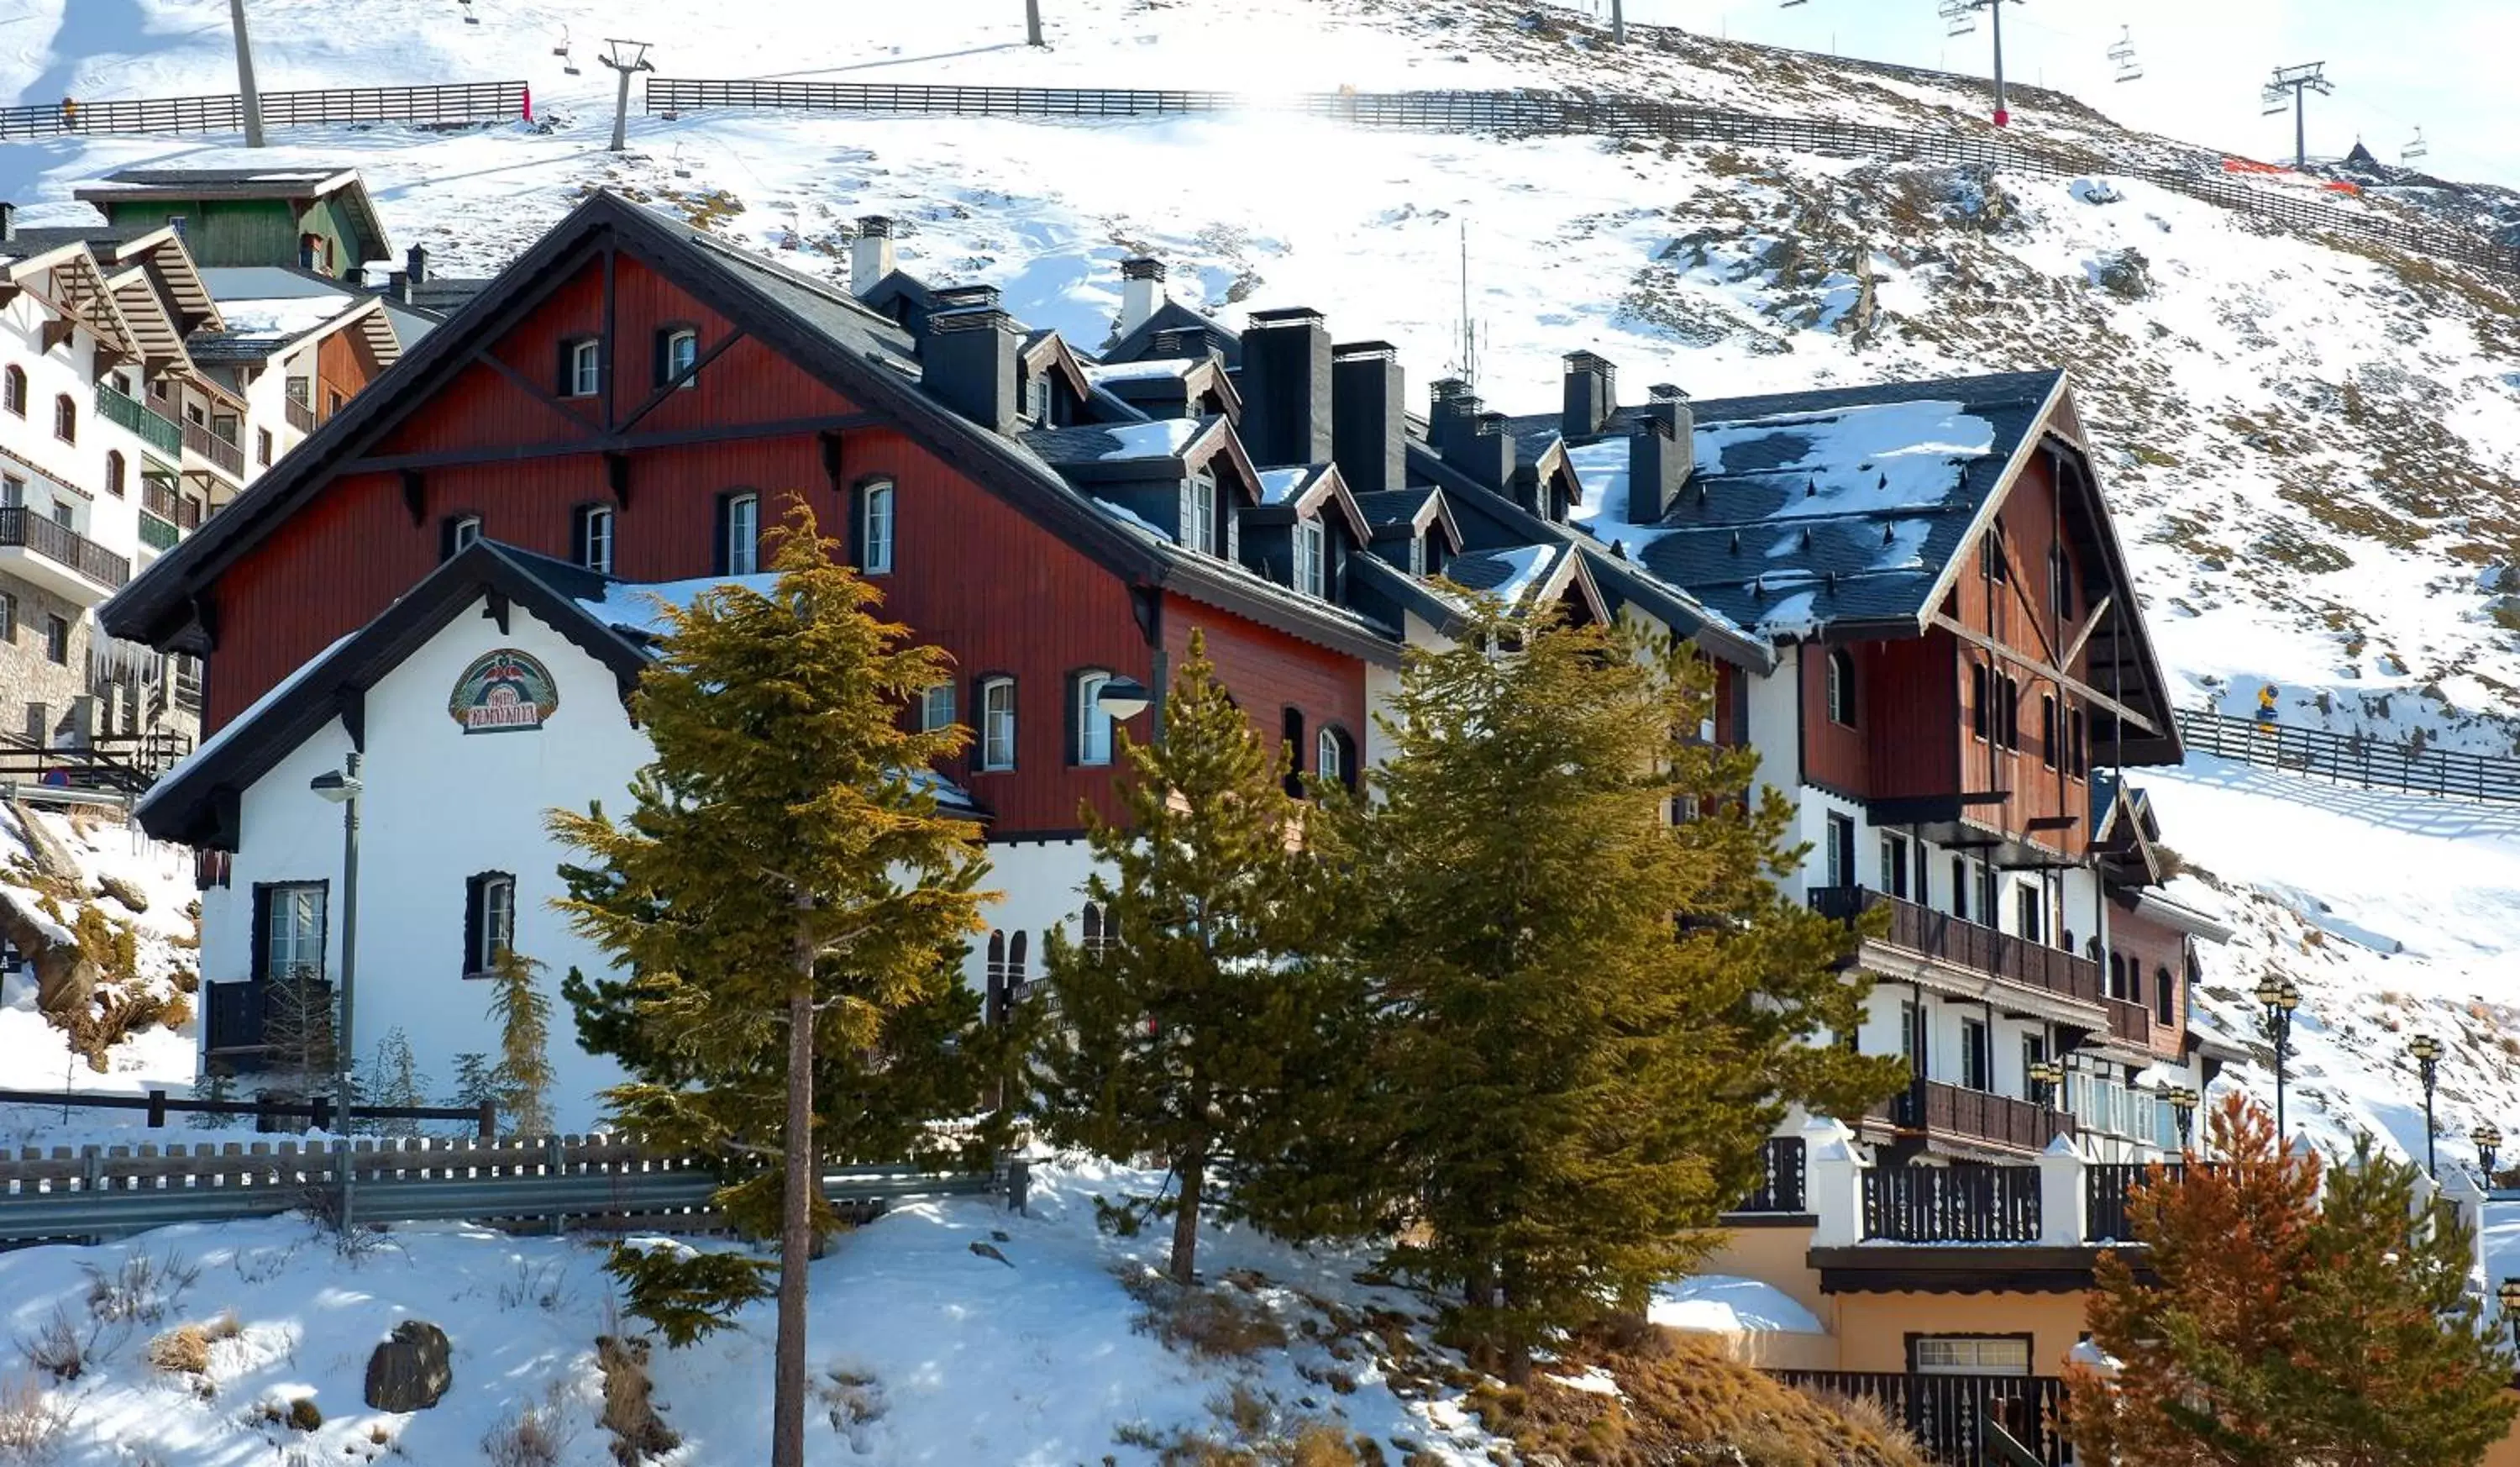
(342, 787)
(2510, 1295)
(2427, 1053)
(2046, 1075)
(2183, 1108)
(2280, 998)
(1124, 698)
(2488, 1139)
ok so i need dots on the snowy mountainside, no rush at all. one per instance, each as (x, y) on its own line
(2313, 444)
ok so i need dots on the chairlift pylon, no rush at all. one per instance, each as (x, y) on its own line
(2416, 148)
(2122, 54)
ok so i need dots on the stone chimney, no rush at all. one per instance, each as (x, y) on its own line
(1369, 416)
(415, 264)
(1285, 384)
(7, 220)
(1142, 291)
(1592, 392)
(968, 361)
(1661, 452)
(871, 257)
(398, 287)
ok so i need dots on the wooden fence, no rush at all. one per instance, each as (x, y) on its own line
(265, 1111)
(1952, 1204)
(1954, 1417)
(2352, 759)
(440, 104)
(607, 1180)
(1576, 114)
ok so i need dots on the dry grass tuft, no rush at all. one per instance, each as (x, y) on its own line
(1210, 1325)
(31, 1421)
(184, 1350)
(536, 1436)
(629, 1411)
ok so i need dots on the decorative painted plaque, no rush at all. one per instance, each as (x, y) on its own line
(502, 692)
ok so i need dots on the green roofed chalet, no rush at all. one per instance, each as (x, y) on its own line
(319, 219)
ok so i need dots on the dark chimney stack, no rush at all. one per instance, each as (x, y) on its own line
(1190, 342)
(1661, 453)
(398, 287)
(968, 361)
(1592, 392)
(1480, 447)
(1370, 416)
(415, 264)
(964, 296)
(1285, 384)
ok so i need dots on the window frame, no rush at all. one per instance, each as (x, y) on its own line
(64, 418)
(452, 533)
(1085, 687)
(878, 499)
(929, 721)
(263, 447)
(735, 508)
(1894, 863)
(57, 639)
(1838, 849)
(118, 473)
(489, 921)
(266, 895)
(667, 367)
(12, 390)
(582, 367)
(1976, 1364)
(1839, 687)
(1977, 1055)
(8, 618)
(595, 525)
(1197, 530)
(990, 756)
(1312, 555)
(2051, 728)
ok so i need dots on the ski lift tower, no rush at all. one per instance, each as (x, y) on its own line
(624, 57)
(1960, 17)
(2299, 82)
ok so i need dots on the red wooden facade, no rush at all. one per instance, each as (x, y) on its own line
(999, 591)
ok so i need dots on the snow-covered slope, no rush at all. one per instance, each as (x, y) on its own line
(2312, 443)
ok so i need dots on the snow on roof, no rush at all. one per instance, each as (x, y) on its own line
(1160, 367)
(1128, 516)
(227, 731)
(1863, 459)
(1278, 486)
(639, 608)
(1164, 438)
(1725, 1305)
(282, 318)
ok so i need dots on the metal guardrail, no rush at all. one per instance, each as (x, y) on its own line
(1566, 113)
(448, 103)
(2352, 759)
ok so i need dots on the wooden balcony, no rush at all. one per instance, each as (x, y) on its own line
(300, 416)
(1932, 1108)
(2131, 1022)
(1952, 1204)
(122, 410)
(226, 457)
(58, 558)
(1782, 1173)
(1947, 938)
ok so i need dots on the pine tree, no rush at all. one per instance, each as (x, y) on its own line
(477, 1080)
(782, 887)
(522, 1077)
(1178, 1028)
(213, 1086)
(2283, 1326)
(398, 1082)
(1591, 1015)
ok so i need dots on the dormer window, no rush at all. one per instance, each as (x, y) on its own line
(1310, 553)
(1198, 512)
(1037, 397)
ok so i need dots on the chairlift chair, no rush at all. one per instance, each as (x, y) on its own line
(682, 169)
(568, 63)
(2122, 53)
(1959, 17)
(470, 19)
(2416, 148)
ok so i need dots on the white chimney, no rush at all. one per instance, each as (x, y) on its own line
(1142, 289)
(870, 253)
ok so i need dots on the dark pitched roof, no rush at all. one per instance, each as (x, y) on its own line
(36, 240)
(1140, 343)
(446, 295)
(195, 804)
(141, 184)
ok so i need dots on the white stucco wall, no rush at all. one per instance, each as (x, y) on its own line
(443, 805)
(1040, 884)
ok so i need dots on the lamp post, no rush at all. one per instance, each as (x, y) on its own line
(2046, 1075)
(2510, 1293)
(2427, 1052)
(342, 787)
(2488, 1139)
(2182, 1109)
(1124, 698)
(2280, 998)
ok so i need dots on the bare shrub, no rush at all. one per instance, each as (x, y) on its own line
(629, 1411)
(534, 1436)
(1211, 1325)
(141, 1290)
(64, 1346)
(31, 1421)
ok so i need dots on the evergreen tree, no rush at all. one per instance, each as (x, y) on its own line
(2281, 1326)
(216, 1085)
(782, 887)
(1589, 1014)
(1178, 1028)
(398, 1082)
(476, 1079)
(522, 1077)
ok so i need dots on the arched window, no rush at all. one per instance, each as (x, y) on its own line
(2163, 1003)
(1089, 726)
(875, 527)
(1841, 687)
(114, 470)
(1334, 757)
(997, 723)
(1090, 926)
(66, 419)
(2048, 729)
(738, 519)
(678, 352)
(489, 921)
(13, 391)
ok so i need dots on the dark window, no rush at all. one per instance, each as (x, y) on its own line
(2047, 729)
(2008, 713)
(57, 639)
(114, 470)
(739, 534)
(582, 367)
(1998, 567)
(333, 401)
(1980, 723)
(2032, 911)
(455, 533)
(263, 447)
(1977, 1056)
(1960, 887)
(289, 931)
(2034, 1049)
(1841, 687)
(591, 537)
(1037, 398)
(1909, 1049)
(8, 618)
(1090, 926)
(1924, 894)
(1292, 725)
(1894, 863)
(2082, 723)
(1334, 758)
(13, 391)
(1840, 863)
(66, 419)
(2163, 1002)
(489, 921)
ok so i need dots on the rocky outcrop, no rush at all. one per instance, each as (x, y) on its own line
(410, 1371)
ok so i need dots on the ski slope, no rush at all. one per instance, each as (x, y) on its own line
(2313, 449)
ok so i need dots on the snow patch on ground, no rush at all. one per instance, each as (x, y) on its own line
(1723, 1304)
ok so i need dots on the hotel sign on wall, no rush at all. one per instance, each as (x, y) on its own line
(503, 692)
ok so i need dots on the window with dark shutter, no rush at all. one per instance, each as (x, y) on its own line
(114, 470)
(582, 367)
(2048, 729)
(1980, 722)
(678, 350)
(13, 391)
(489, 921)
(1841, 687)
(1292, 722)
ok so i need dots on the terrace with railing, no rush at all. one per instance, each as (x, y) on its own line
(294, 404)
(22, 528)
(1780, 1190)
(128, 412)
(1951, 939)
(1934, 1107)
(225, 457)
(1951, 1205)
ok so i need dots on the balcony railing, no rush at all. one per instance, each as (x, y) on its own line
(23, 528)
(227, 456)
(1931, 1106)
(300, 416)
(1982, 949)
(2130, 1022)
(1953, 1416)
(157, 533)
(1780, 1179)
(1952, 1204)
(159, 497)
(118, 408)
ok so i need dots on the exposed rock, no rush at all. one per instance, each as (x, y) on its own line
(408, 1371)
(124, 891)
